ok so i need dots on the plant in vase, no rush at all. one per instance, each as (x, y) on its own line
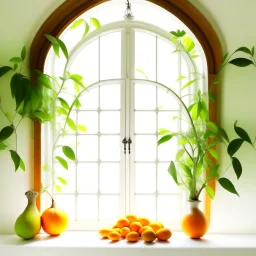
(197, 161)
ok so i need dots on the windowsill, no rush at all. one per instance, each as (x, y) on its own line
(89, 243)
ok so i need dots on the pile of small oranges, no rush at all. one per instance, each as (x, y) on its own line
(132, 228)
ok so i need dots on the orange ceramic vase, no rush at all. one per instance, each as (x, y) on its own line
(194, 224)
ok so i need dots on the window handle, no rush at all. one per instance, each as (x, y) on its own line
(129, 145)
(125, 142)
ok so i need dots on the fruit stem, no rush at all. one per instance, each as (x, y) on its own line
(53, 202)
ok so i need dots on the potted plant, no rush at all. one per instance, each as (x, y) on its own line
(197, 161)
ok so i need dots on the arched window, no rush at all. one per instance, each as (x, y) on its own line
(127, 68)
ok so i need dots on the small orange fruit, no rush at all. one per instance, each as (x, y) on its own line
(135, 226)
(123, 222)
(124, 231)
(142, 229)
(155, 225)
(118, 230)
(105, 231)
(114, 236)
(132, 218)
(148, 236)
(115, 226)
(163, 234)
(144, 221)
(161, 224)
(132, 237)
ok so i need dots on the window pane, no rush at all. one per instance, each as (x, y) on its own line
(167, 151)
(110, 56)
(110, 122)
(145, 55)
(145, 122)
(145, 148)
(87, 148)
(166, 100)
(90, 100)
(87, 178)
(165, 120)
(109, 207)
(145, 178)
(87, 207)
(86, 63)
(145, 206)
(110, 148)
(168, 207)
(109, 178)
(66, 203)
(110, 97)
(145, 97)
(90, 120)
(61, 120)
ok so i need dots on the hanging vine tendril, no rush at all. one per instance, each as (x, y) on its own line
(128, 12)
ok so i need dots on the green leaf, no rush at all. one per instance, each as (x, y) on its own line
(252, 51)
(63, 48)
(241, 62)
(82, 128)
(212, 127)
(213, 172)
(22, 165)
(71, 124)
(195, 111)
(95, 23)
(179, 154)
(224, 58)
(183, 141)
(164, 139)
(2, 146)
(234, 145)
(211, 97)
(189, 83)
(36, 98)
(180, 78)
(186, 170)
(237, 167)
(210, 191)
(142, 72)
(227, 184)
(69, 153)
(77, 23)
(163, 131)
(63, 103)
(57, 188)
(62, 180)
(86, 29)
(4, 70)
(56, 49)
(6, 132)
(214, 153)
(242, 133)
(223, 134)
(23, 53)
(208, 161)
(61, 111)
(172, 171)
(188, 43)
(62, 161)
(16, 60)
(42, 116)
(77, 79)
(44, 80)
(52, 39)
(244, 49)
(15, 158)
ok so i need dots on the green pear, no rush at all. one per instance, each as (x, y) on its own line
(28, 223)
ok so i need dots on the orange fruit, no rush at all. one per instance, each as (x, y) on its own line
(195, 224)
(144, 221)
(132, 237)
(54, 220)
(114, 226)
(148, 236)
(155, 225)
(135, 226)
(163, 234)
(132, 218)
(124, 231)
(123, 222)
(105, 231)
(118, 230)
(161, 224)
(114, 236)
(142, 229)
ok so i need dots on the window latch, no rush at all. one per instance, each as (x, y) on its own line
(124, 141)
(129, 145)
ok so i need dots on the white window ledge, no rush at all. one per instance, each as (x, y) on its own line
(90, 244)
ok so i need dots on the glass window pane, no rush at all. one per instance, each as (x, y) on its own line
(145, 55)
(167, 64)
(145, 122)
(167, 151)
(145, 97)
(87, 178)
(166, 120)
(86, 63)
(145, 178)
(87, 207)
(146, 206)
(165, 183)
(110, 96)
(109, 178)
(109, 207)
(168, 207)
(87, 148)
(145, 147)
(90, 100)
(110, 148)
(166, 100)
(89, 119)
(66, 203)
(110, 56)
(110, 122)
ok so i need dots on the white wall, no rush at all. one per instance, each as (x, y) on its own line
(233, 21)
